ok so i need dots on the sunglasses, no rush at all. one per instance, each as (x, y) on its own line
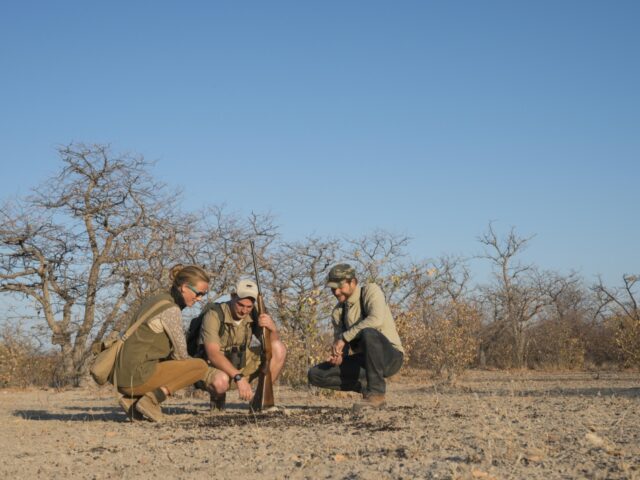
(196, 292)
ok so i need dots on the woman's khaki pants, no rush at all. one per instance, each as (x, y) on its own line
(172, 374)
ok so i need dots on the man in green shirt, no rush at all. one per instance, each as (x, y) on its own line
(231, 349)
(362, 322)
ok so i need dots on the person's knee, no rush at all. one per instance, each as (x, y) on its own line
(221, 383)
(314, 376)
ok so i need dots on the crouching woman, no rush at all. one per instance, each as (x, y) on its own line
(153, 362)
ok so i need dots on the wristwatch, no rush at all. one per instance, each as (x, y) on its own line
(237, 377)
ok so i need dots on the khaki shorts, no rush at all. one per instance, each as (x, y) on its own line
(250, 370)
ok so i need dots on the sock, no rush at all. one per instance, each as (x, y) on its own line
(159, 394)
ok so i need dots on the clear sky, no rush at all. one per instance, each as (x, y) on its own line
(339, 117)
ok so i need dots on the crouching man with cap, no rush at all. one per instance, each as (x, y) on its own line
(362, 322)
(229, 342)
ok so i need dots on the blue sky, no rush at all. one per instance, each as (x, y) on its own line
(422, 118)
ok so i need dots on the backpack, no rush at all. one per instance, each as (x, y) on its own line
(193, 332)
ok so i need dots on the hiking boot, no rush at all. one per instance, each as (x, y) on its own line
(217, 401)
(128, 405)
(372, 400)
(149, 406)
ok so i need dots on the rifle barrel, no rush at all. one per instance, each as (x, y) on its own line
(255, 264)
(263, 397)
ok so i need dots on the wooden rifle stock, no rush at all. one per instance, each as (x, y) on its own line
(263, 397)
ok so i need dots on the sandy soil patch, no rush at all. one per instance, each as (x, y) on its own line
(490, 425)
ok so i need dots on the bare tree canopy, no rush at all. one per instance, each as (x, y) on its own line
(619, 306)
(75, 245)
(103, 233)
(515, 298)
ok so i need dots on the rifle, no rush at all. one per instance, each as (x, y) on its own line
(263, 398)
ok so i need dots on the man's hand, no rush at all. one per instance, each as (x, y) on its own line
(244, 389)
(265, 321)
(338, 347)
(337, 352)
(335, 360)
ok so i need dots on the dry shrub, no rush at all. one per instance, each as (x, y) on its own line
(627, 338)
(600, 345)
(444, 341)
(496, 346)
(556, 344)
(412, 331)
(21, 363)
(302, 355)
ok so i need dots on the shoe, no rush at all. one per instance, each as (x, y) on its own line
(149, 407)
(372, 400)
(128, 405)
(218, 401)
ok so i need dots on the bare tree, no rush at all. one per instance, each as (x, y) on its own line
(380, 257)
(515, 297)
(296, 279)
(560, 336)
(439, 321)
(433, 286)
(76, 245)
(620, 307)
(221, 244)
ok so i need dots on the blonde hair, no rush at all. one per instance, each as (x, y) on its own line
(191, 274)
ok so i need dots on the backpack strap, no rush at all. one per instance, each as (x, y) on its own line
(363, 313)
(194, 347)
(156, 309)
(249, 328)
(217, 308)
(343, 318)
(362, 310)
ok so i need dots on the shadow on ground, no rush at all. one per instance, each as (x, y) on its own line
(307, 417)
(93, 414)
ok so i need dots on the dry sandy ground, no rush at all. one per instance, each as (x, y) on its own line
(491, 425)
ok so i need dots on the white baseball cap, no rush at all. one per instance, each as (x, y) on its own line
(246, 289)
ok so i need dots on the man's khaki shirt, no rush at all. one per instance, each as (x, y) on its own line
(236, 334)
(378, 316)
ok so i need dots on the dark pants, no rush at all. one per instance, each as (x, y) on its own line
(376, 360)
